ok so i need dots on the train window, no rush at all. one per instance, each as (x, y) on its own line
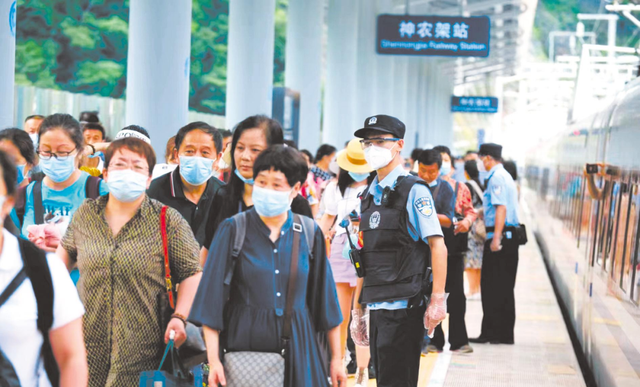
(596, 226)
(605, 228)
(614, 210)
(620, 234)
(631, 268)
(586, 206)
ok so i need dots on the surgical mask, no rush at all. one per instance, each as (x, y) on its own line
(2, 200)
(244, 179)
(358, 177)
(269, 202)
(20, 173)
(378, 157)
(445, 169)
(222, 164)
(34, 139)
(97, 154)
(126, 185)
(58, 170)
(196, 170)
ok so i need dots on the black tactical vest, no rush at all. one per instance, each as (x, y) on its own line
(394, 263)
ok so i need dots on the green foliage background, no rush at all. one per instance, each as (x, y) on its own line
(81, 46)
(562, 15)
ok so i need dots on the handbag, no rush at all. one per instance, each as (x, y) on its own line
(244, 368)
(176, 376)
(193, 351)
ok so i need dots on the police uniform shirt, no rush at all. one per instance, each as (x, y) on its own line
(501, 191)
(422, 220)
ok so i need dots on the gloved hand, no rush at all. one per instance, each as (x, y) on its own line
(360, 326)
(436, 312)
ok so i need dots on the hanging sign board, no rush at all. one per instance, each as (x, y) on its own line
(433, 35)
(474, 104)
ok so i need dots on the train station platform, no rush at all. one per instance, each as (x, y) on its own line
(542, 354)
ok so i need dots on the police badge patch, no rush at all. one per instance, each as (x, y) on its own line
(373, 120)
(374, 220)
(497, 189)
(424, 205)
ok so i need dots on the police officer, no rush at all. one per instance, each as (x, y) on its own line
(500, 257)
(400, 227)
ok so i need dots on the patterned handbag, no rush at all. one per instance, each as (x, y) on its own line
(245, 369)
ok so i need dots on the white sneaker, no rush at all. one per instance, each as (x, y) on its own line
(362, 377)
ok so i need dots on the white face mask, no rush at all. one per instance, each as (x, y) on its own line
(481, 167)
(378, 157)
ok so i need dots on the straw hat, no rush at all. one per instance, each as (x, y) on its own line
(352, 158)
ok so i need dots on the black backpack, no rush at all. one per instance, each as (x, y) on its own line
(36, 269)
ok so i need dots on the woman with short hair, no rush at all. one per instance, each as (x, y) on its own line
(117, 243)
(249, 313)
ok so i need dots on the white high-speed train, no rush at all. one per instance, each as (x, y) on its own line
(591, 238)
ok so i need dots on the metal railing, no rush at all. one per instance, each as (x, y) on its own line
(32, 100)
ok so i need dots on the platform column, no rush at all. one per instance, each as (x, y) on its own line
(250, 59)
(8, 18)
(340, 89)
(303, 67)
(158, 67)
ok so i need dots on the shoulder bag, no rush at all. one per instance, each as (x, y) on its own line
(245, 368)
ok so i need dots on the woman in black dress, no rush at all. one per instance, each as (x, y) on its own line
(250, 137)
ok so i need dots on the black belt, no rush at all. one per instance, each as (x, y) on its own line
(506, 228)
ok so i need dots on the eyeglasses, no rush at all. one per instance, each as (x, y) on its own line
(62, 156)
(376, 141)
(120, 166)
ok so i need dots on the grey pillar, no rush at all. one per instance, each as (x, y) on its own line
(158, 67)
(250, 59)
(303, 70)
(8, 61)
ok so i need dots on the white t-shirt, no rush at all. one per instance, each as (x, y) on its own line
(162, 169)
(20, 339)
(339, 206)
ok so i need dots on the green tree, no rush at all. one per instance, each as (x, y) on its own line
(81, 46)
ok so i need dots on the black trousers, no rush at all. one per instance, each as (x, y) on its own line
(395, 338)
(456, 306)
(497, 285)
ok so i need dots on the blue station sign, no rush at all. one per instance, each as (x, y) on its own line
(433, 35)
(474, 104)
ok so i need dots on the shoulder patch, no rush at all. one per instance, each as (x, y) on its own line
(424, 205)
(497, 189)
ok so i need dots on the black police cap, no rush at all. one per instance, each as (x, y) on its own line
(382, 123)
(491, 149)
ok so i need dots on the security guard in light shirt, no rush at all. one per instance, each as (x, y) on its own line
(500, 257)
(400, 230)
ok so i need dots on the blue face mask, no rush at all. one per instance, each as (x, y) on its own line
(445, 169)
(269, 202)
(97, 154)
(196, 170)
(126, 185)
(358, 177)
(20, 173)
(244, 179)
(58, 170)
